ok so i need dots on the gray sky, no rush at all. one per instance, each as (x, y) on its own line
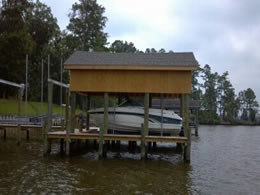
(221, 33)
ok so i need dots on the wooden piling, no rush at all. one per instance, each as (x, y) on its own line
(103, 129)
(87, 114)
(185, 123)
(73, 110)
(67, 116)
(144, 128)
(196, 122)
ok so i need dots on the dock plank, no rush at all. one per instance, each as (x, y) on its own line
(115, 137)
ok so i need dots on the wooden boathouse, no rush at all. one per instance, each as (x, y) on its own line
(114, 74)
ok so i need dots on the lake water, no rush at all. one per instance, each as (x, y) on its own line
(225, 160)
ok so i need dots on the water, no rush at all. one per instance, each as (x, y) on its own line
(225, 160)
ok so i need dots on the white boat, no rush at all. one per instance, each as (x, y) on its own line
(129, 119)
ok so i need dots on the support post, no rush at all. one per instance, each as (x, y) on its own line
(145, 127)
(20, 96)
(72, 111)
(47, 144)
(103, 129)
(196, 122)
(185, 123)
(50, 96)
(87, 109)
(67, 122)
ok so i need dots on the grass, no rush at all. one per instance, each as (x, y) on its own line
(33, 108)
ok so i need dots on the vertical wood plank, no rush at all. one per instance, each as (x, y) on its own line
(45, 137)
(50, 97)
(145, 129)
(196, 122)
(106, 98)
(67, 122)
(185, 122)
(103, 130)
(73, 110)
(87, 109)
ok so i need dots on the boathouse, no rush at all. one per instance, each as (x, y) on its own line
(147, 75)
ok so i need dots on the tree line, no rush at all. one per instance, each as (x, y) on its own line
(29, 27)
(219, 103)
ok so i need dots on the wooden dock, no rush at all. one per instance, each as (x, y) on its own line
(115, 137)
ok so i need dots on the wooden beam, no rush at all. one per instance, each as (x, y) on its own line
(145, 128)
(87, 109)
(117, 137)
(50, 97)
(106, 98)
(73, 110)
(103, 130)
(185, 123)
(196, 122)
(67, 122)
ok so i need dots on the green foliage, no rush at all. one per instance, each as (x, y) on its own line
(86, 26)
(119, 46)
(249, 105)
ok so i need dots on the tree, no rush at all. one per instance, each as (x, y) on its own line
(15, 42)
(119, 46)
(196, 91)
(226, 98)
(86, 26)
(248, 104)
(162, 50)
(45, 32)
(209, 99)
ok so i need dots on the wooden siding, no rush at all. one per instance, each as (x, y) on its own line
(131, 81)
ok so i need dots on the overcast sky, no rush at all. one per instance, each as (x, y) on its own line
(222, 33)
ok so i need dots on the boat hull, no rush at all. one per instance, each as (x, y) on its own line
(132, 124)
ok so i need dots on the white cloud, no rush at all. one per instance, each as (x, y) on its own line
(222, 33)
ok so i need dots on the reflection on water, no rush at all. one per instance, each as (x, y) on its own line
(224, 160)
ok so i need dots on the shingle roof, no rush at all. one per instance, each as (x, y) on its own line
(157, 59)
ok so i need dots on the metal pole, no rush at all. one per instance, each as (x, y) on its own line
(61, 63)
(26, 83)
(48, 66)
(42, 89)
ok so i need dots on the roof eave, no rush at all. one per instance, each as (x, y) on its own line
(129, 67)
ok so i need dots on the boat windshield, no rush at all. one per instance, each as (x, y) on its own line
(165, 119)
